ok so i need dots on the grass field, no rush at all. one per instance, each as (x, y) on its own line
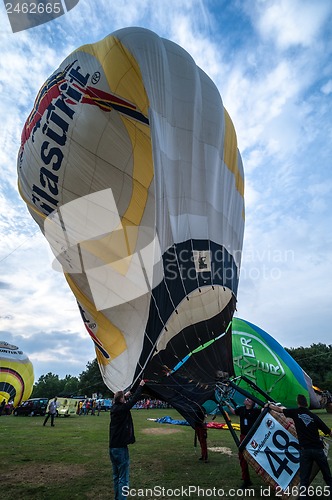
(71, 460)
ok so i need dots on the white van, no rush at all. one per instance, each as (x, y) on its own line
(66, 406)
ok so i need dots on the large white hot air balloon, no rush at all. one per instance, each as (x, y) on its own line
(129, 164)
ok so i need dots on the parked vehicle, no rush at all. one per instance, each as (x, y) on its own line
(31, 407)
(66, 406)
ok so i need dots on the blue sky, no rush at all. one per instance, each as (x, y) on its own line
(272, 63)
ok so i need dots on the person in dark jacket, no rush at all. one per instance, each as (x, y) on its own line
(307, 425)
(248, 415)
(122, 434)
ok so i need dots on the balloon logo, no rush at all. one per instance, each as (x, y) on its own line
(16, 374)
(262, 360)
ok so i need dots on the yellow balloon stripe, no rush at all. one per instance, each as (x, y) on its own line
(231, 153)
(19, 376)
(110, 337)
(126, 82)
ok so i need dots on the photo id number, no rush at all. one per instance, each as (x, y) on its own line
(302, 491)
(33, 8)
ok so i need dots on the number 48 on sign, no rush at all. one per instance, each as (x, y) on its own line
(276, 450)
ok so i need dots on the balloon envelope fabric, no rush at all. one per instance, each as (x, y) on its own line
(129, 164)
(16, 374)
(259, 357)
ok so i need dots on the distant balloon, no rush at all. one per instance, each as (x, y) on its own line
(265, 362)
(16, 374)
(129, 164)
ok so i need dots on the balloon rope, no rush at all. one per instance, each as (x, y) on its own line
(200, 348)
(20, 245)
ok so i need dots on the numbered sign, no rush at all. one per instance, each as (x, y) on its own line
(276, 450)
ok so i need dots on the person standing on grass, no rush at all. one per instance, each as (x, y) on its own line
(307, 425)
(52, 409)
(201, 434)
(248, 415)
(122, 434)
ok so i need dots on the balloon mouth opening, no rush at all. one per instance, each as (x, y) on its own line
(200, 305)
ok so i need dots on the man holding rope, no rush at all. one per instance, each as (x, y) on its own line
(307, 425)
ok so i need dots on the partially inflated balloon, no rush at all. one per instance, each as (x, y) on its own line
(129, 164)
(16, 374)
(260, 358)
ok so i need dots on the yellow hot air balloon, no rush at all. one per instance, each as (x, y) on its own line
(129, 164)
(16, 374)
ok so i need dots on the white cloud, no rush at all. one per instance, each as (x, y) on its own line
(298, 22)
(327, 88)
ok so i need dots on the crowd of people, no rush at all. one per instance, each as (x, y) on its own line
(94, 407)
(150, 404)
(89, 406)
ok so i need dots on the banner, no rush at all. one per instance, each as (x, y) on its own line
(275, 450)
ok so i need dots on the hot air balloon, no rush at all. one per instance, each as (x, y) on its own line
(263, 361)
(16, 374)
(129, 164)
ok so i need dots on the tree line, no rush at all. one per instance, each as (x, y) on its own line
(315, 360)
(87, 383)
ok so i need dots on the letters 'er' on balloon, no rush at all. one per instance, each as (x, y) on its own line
(16, 374)
(262, 360)
(129, 164)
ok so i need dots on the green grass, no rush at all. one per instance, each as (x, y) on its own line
(71, 460)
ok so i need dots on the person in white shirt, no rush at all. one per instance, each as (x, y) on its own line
(52, 409)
